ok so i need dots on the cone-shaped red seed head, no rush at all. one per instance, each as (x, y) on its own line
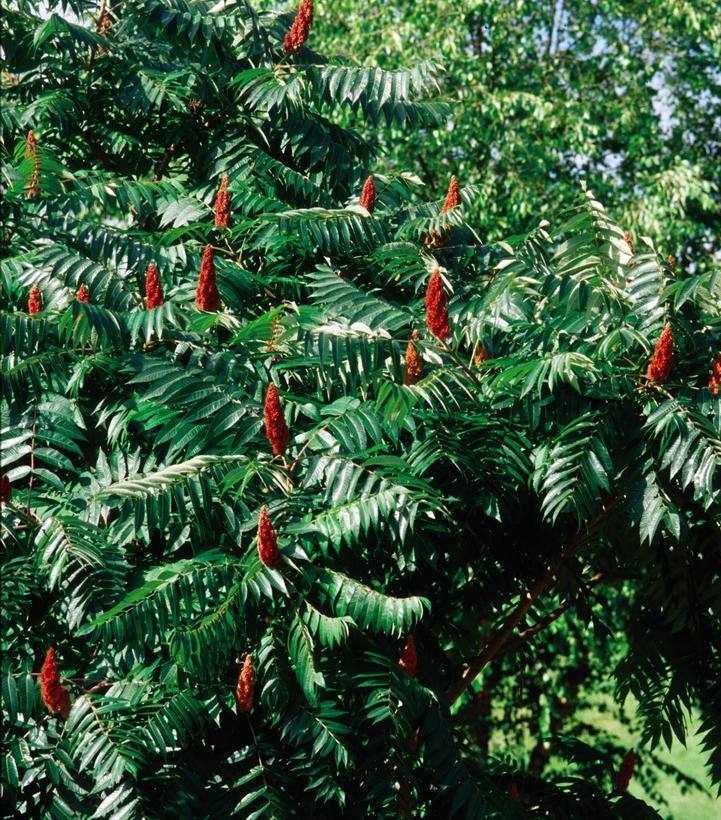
(222, 205)
(267, 540)
(436, 311)
(514, 793)
(82, 295)
(453, 197)
(368, 195)
(714, 382)
(414, 362)
(300, 29)
(409, 658)
(625, 771)
(6, 489)
(54, 694)
(207, 296)
(276, 430)
(153, 288)
(35, 300)
(659, 368)
(245, 685)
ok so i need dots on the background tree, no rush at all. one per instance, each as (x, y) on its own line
(303, 497)
(623, 95)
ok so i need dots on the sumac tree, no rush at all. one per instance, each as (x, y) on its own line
(283, 573)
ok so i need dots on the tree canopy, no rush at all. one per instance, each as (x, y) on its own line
(307, 487)
(626, 96)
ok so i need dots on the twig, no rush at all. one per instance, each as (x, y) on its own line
(515, 643)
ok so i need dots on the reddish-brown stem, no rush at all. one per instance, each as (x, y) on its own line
(498, 640)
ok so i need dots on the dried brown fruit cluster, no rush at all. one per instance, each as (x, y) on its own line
(436, 310)
(222, 205)
(54, 694)
(207, 296)
(300, 29)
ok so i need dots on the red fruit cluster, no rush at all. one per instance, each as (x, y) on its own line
(245, 685)
(659, 368)
(368, 195)
(153, 288)
(409, 658)
(625, 771)
(672, 263)
(222, 205)
(300, 29)
(714, 382)
(453, 197)
(35, 300)
(54, 694)
(207, 296)
(82, 295)
(436, 310)
(514, 794)
(276, 430)
(33, 154)
(6, 489)
(414, 362)
(267, 540)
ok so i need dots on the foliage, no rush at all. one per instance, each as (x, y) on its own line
(478, 509)
(624, 95)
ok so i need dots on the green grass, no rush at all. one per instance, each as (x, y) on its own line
(688, 805)
(680, 801)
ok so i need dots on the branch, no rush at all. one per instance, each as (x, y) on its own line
(497, 641)
(515, 643)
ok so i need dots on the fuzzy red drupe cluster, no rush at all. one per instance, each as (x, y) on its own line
(207, 296)
(368, 195)
(54, 694)
(659, 368)
(300, 29)
(436, 310)
(244, 687)
(267, 540)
